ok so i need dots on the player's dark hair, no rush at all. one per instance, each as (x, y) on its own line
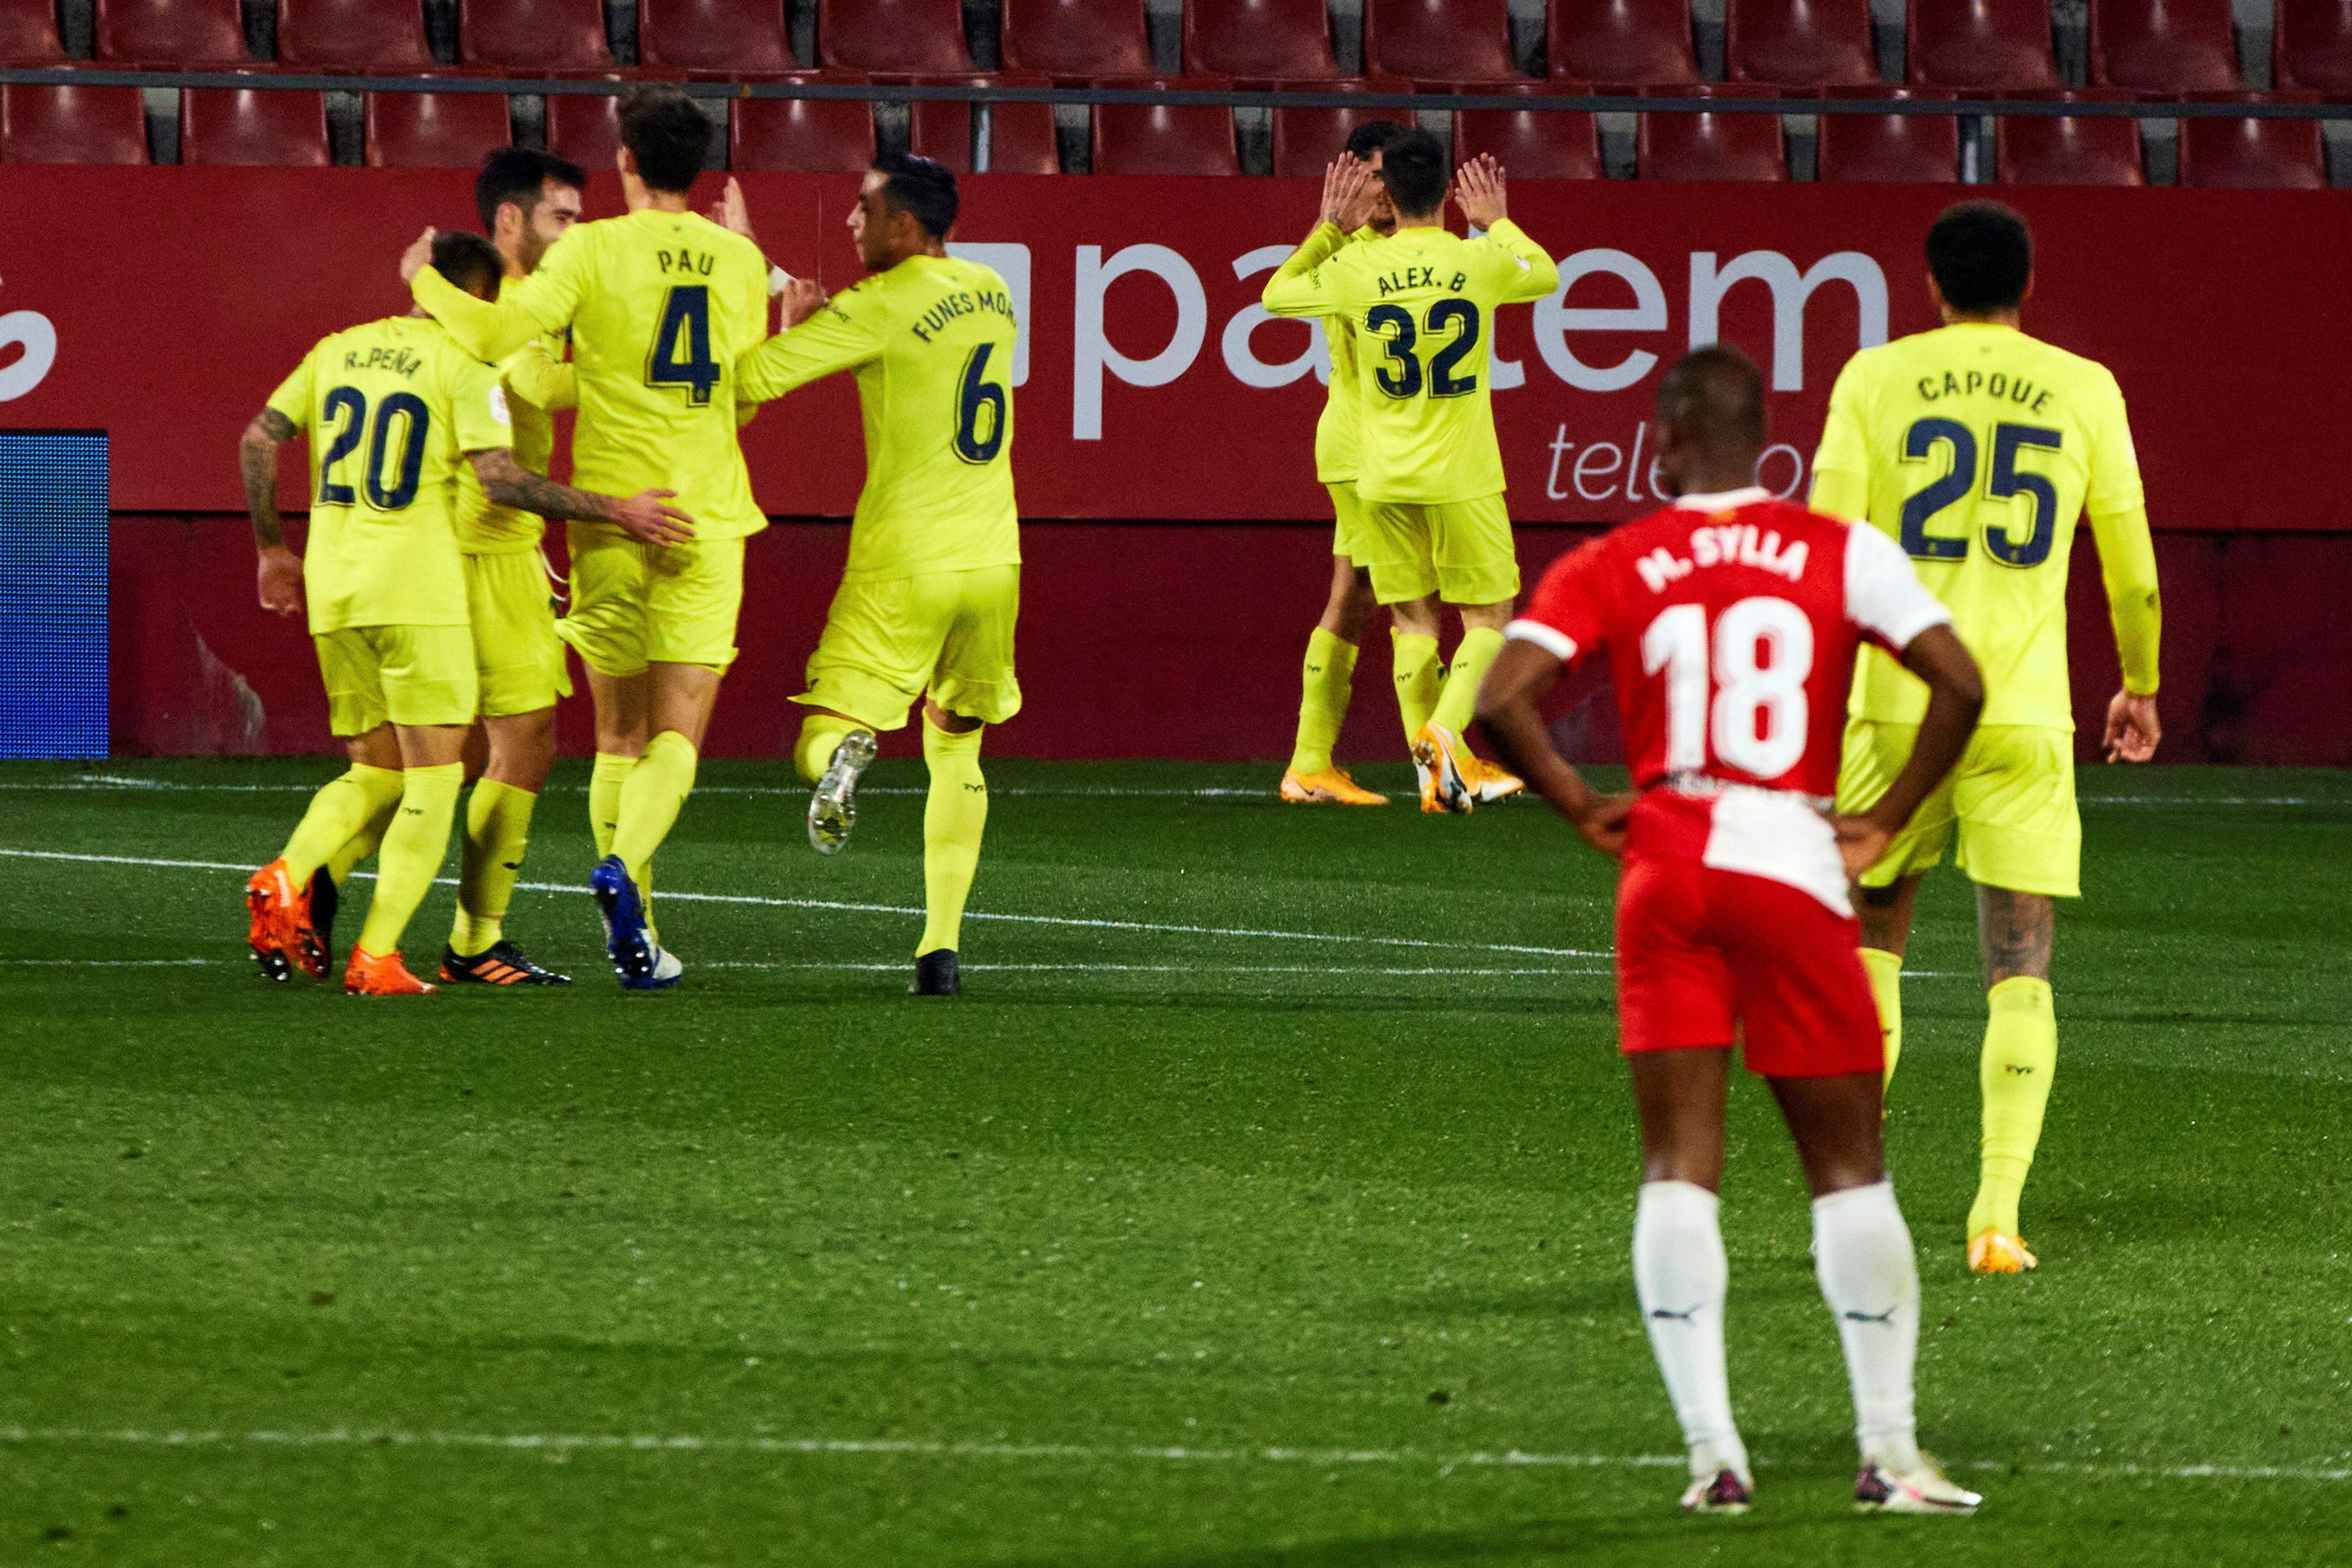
(1714, 399)
(467, 260)
(519, 175)
(667, 134)
(1981, 257)
(1372, 136)
(1412, 167)
(923, 186)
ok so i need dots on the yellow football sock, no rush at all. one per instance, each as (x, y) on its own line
(2021, 1056)
(1886, 972)
(1329, 673)
(821, 735)
(340, 811)
(650, 798)
(414, 847)
(498, 826)
(366, 842)
(955, 815)
(1418, 678)
(605, 820)
(1459, 701)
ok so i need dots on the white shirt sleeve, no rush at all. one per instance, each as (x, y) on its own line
(1883, 596)
(1551, 639)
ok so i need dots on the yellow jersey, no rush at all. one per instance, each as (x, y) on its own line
(1421, 304)
(538, 383)
(931, 341)
(1339, 431)
(392, 408)
(1976, 447)
(660, 306)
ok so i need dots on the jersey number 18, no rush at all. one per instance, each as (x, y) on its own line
(1757, 708)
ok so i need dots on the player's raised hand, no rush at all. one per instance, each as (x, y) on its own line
(1861, 844)
(417, 257)
(1478, 192)
(2133, 730)
(730, 213)
(648, 516)
(280, 578)
(1350, 192)
(801, 298)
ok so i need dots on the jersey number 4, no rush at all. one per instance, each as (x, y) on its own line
(1750, 695)
(1400, 376)
(681, 350)
(2005, 480)
(346, 409)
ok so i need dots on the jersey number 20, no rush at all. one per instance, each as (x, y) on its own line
(1752, 699)
(347, 410)
(681, 350)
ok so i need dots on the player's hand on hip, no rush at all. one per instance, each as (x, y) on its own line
(280, 580)
(1602, 823)
(417, 257)
(1478, 192)
(1861, 844)
(647, 515)
(2134, 731)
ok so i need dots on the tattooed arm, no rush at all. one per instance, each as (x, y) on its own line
(646, 515)
(280, 571)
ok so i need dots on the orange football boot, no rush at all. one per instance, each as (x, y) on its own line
(381, 975)
(269, 932)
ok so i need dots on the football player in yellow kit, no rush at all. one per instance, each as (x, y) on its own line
(660, 304)
(926, 604)
(1977, 448)
(1421, 304)
(393, 406)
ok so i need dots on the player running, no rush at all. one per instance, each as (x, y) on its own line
(1977, 448)
(928, 601)
(1429, 473)
(392, 404)
(660, 303)
(1731, 621)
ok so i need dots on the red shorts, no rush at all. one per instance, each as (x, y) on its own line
(1703, 951)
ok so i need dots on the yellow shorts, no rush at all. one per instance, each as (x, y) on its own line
(634, 604)
(518, 658)
(1354, 537)
(399, 675)
(2012, 796)
(948, 634)
(1460, 551)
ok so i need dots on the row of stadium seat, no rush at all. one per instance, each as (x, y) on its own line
(225, 126)
(2147, 46)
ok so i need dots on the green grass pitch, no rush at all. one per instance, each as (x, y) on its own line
(1264, 1202)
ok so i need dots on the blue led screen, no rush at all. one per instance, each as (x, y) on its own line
(53, 500)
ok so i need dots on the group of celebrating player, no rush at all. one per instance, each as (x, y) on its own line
(431, 435)
(1813, 708)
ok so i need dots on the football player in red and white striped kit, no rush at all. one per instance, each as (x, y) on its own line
(1731, 621)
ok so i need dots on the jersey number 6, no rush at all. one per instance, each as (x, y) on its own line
(1401, 376)
(980, 410)
(2005, 481)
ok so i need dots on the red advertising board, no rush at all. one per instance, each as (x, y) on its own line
(162, 304)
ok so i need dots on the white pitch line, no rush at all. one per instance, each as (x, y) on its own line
(844, 906)
(1313, 969)
(688, 1443)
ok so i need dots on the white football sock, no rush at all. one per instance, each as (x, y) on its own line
(1862, 1251)
(1681, 1276)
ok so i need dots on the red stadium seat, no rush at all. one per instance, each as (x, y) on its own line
(435, 130)
(1306, 139)
(353, 35)
(1440, 40)
(1256, 41)
(1163, 139)
(192, 35)
(2254, 154)
(1074, 40)
(913, 38)
(1995, 46)
(1687, 145)
(1021, 138)
(1628, 43)
(534, 35)
(28, 33)
(2069, 149)
(729, 37)
(1799, 43)
(2311, 45)
(1532, 144)
(1890, 149)
(803, 135)
(585, 128)
(72, 125)
(248, 127)
(2164, 46)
